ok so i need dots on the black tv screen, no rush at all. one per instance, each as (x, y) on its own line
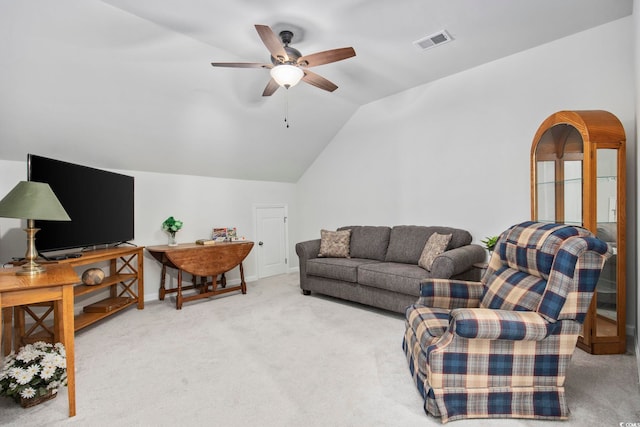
(100, 204)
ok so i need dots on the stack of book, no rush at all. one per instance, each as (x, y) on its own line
(205, 242)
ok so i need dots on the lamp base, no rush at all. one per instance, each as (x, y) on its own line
(31, 267)
(30, 270)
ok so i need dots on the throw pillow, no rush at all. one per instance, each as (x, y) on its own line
(334, 244)
(436, 245)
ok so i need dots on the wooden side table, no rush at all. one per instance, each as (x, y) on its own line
(203, 261)
(56, 285)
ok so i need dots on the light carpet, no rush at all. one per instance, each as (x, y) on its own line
(275, 357)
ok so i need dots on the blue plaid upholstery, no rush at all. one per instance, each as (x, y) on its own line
(501, 348)
(445, 293)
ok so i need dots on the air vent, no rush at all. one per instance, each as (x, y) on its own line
(441, 37)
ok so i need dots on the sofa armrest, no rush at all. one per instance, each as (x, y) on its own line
(488, 324)
(306, 251)
(450, 294)
(456, 261)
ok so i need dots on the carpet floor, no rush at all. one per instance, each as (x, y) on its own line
(275, 357)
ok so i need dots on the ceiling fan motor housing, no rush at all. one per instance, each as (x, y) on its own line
(292, 53)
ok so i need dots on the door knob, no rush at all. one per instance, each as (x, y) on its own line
(260, 243)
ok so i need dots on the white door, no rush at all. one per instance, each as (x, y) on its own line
(271, 241)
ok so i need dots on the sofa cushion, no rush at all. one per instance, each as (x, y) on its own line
(345, 269)
(368, 242)
(407, 241)
(394, 277)
(608, 232)
(436, 244)
(334, 243)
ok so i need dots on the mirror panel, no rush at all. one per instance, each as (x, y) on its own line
(607, 230)
(572, 185)
(546, 191)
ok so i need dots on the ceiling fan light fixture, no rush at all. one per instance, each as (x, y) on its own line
(287, 75)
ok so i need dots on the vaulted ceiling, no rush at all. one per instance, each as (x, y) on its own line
(127, 84)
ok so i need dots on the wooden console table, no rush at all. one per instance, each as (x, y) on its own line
(203, 261)
(124, 281)
(56, 284)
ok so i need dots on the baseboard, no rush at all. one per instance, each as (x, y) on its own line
(631, 330)
(294, 270)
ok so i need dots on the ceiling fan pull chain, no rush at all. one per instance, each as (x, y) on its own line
(286, 107)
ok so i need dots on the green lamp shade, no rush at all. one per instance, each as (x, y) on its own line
(32, 200)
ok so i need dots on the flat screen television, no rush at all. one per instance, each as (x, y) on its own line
(100, 204)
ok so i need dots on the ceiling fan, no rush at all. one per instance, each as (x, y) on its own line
(288, 66)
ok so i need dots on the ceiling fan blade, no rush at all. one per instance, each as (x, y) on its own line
(326, 57)
(241, 64)
(318, 81)
(272, 42)
(271, 87)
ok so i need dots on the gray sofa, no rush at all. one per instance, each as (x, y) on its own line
(382, 270)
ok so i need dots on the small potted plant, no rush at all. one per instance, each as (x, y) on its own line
(490, 244)
(34, 374)
(172, 226)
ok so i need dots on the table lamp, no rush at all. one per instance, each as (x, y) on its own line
(32, 200)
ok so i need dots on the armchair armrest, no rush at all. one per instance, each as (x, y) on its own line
(485, 323)
(447, 293)
(456, 261)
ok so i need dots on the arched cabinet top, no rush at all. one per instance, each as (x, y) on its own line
(593, 126)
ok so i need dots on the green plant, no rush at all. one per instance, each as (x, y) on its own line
(37, 369)
(171, 225)
(490, 242)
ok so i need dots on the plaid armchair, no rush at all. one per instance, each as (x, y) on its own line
(500, 348)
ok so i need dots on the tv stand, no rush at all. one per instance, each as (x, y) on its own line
(125, 282)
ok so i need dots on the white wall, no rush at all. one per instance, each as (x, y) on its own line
(200, 202)
(456, 152)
